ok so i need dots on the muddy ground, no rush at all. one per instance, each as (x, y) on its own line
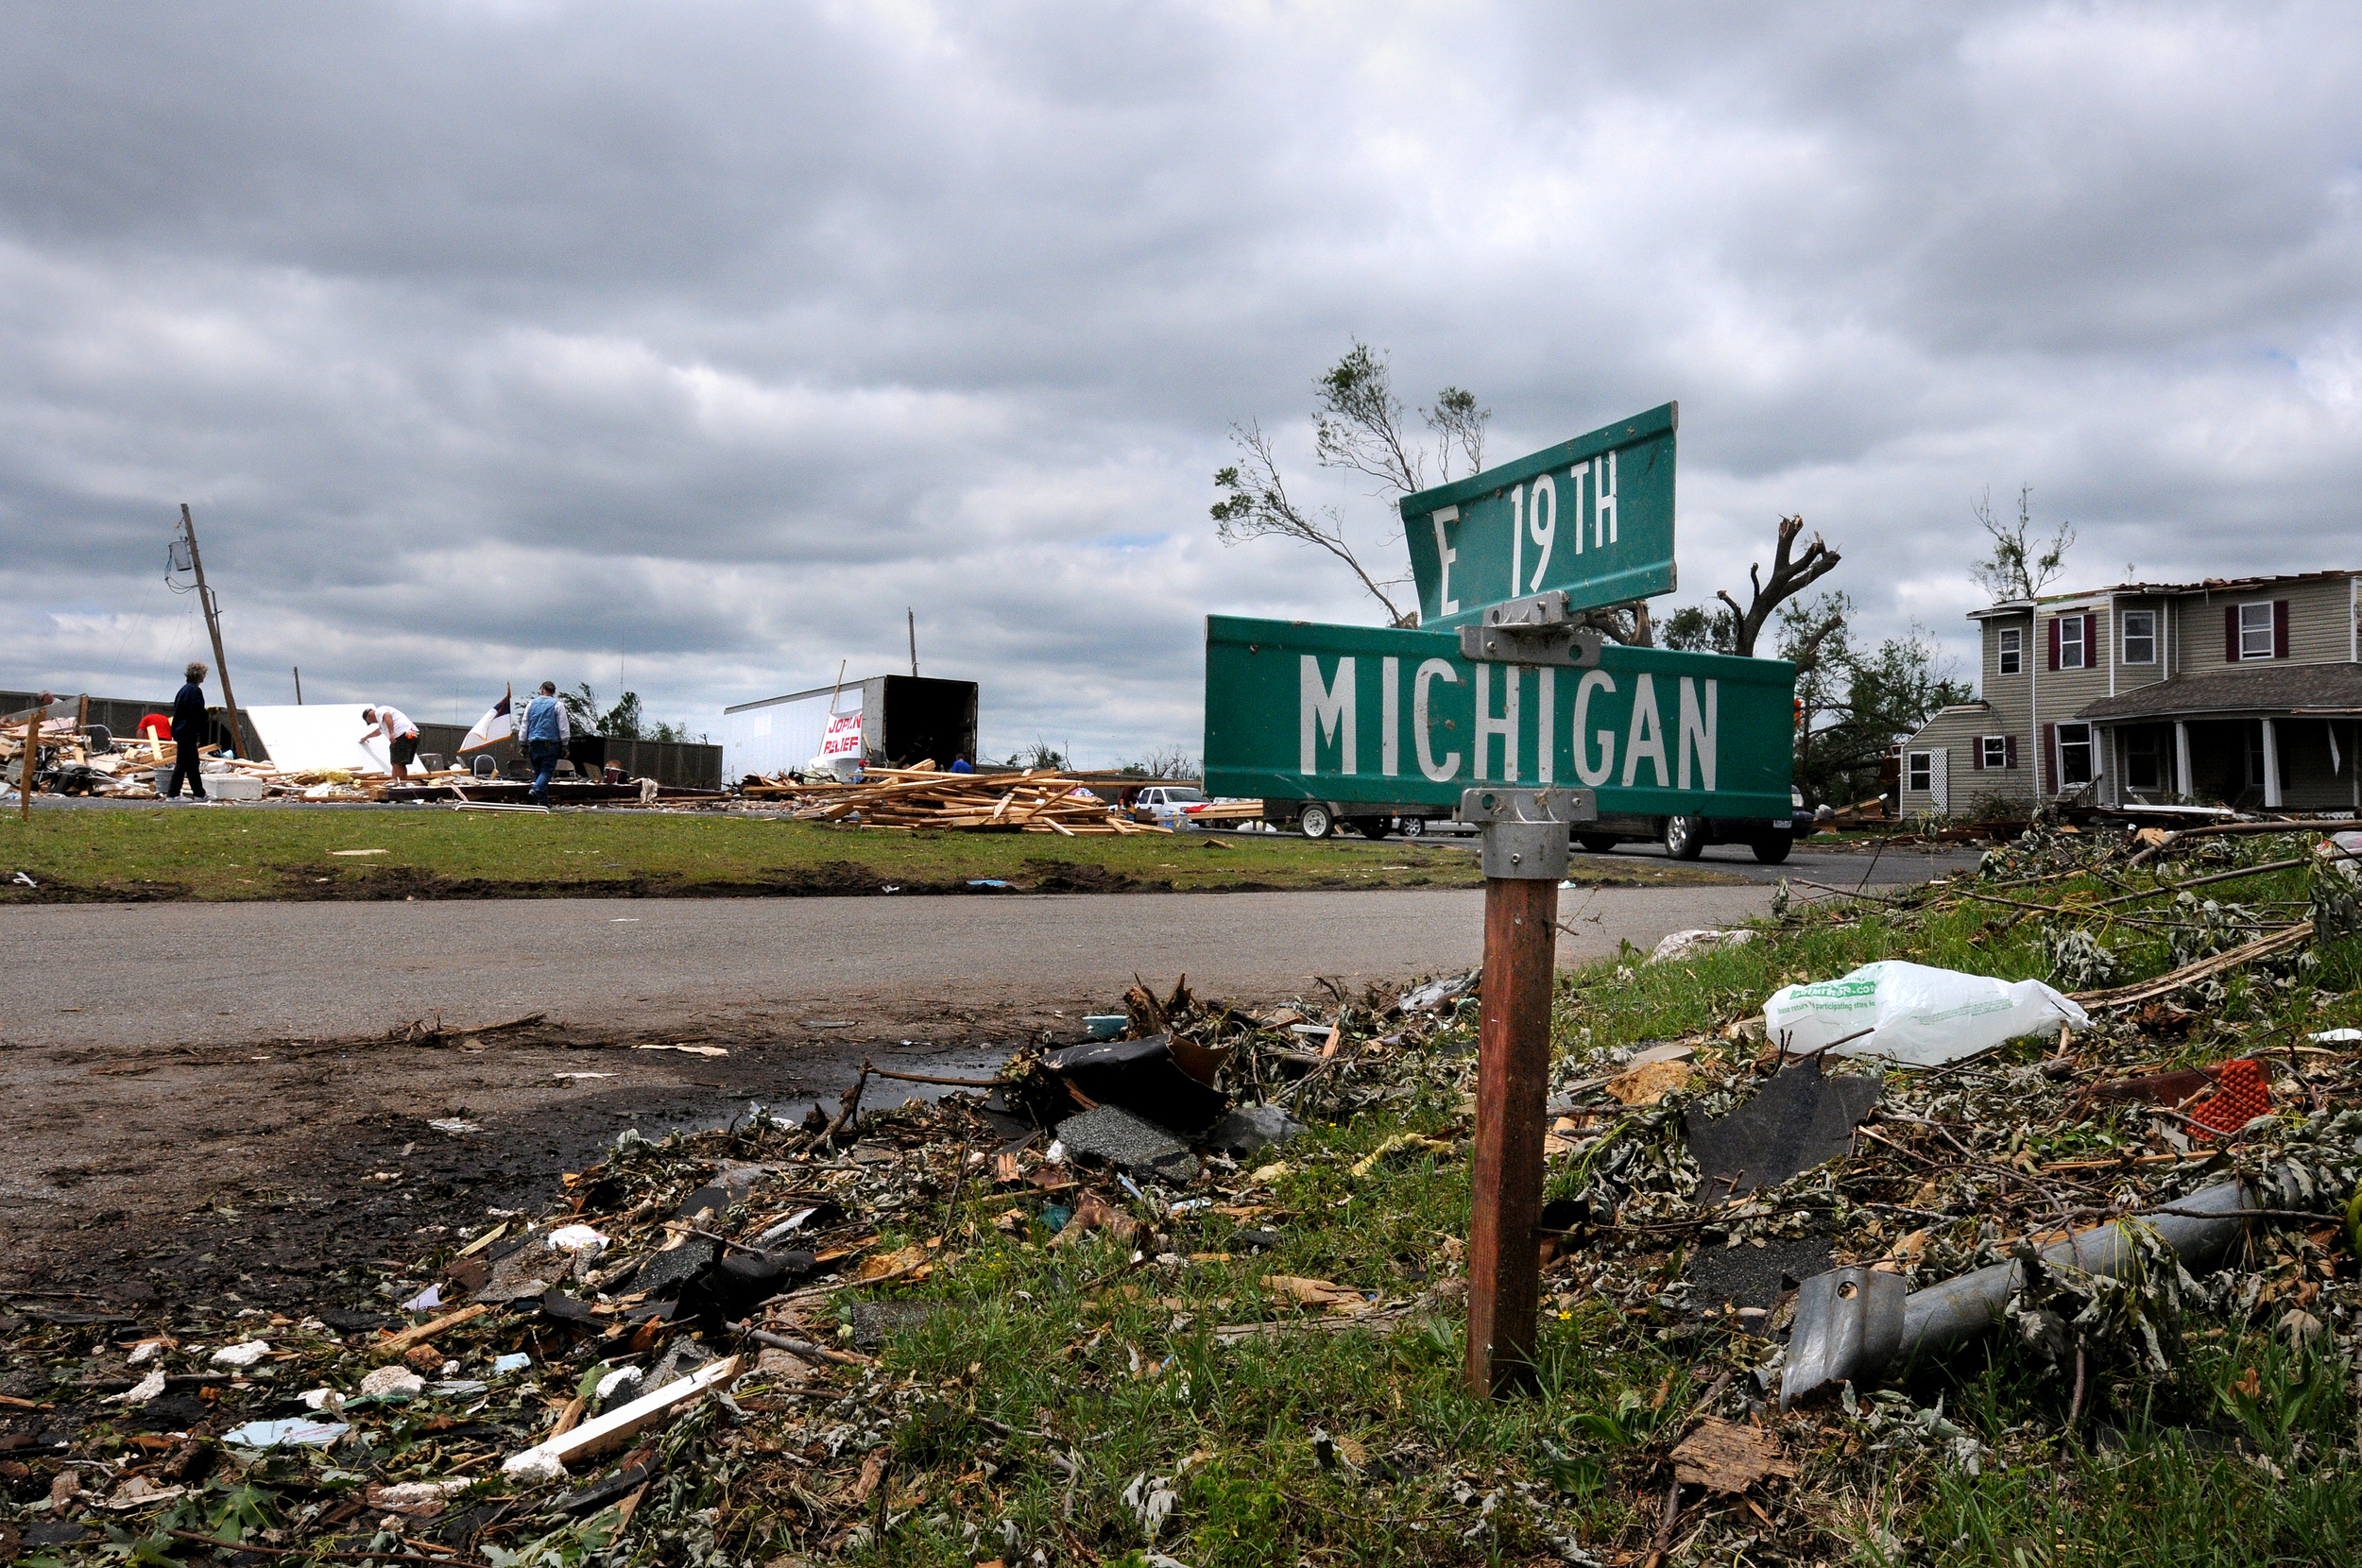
(257, 1172)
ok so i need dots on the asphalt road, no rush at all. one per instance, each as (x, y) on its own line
(188, 973)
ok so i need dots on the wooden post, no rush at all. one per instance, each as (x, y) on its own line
(212, 608)
(1513, 1084)
(32, 749)
(1526, 835)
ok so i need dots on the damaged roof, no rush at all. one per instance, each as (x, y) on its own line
(2321, 689)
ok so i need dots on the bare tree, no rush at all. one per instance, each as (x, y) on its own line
(1256, 504)
(2021, 566)
(1361, 426)
(1791, 575)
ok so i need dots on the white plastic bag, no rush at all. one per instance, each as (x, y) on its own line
(1920, 1017)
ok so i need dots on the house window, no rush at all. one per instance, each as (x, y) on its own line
(2012, 650)
(2140, 636)
(2077, 764)
(2255, 634)
(2071, 642)
(1996, 750)
(1920, 772)
(2144, 769)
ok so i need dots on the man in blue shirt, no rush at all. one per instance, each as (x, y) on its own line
(188, 735)
(546, 734)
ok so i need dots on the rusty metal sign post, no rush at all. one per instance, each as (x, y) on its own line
(1526, 835)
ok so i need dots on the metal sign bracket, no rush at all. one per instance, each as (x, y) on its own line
(1526, 830)
(1538, 629)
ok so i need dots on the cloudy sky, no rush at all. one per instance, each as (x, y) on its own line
(497, 339)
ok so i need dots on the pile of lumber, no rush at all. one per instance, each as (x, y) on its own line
(1229, 811)
(924, 797)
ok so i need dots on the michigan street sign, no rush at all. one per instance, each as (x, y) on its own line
(1299, 712)
(1593, 516)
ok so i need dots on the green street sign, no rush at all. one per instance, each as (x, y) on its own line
(1299, 712)
(1593, 516)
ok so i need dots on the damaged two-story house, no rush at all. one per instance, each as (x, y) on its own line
(2242, 691)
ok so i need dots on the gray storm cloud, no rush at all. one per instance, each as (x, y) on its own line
(500, 341)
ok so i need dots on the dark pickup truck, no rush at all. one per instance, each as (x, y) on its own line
(1685, 838)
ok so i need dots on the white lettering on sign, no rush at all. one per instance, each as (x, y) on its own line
(1518, 537)
(1433, 669)
(1603, 502)
(1574, 477)
(1328, 725)
(1596, 680)
(1445, 555)
(1505, 726)
(1328, 709)
(1543, 763)
(1545, 488)
(1646, 737)
(1701, 730)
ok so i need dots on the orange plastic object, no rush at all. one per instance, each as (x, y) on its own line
(2239, 1097)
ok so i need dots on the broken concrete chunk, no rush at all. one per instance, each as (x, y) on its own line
(394, 1382)
(1797, 1120)
(240, 1356)
(1128, 1142)
(1681, 944)
(1252, 1129)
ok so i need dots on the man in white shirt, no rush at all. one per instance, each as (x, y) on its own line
(401, 737)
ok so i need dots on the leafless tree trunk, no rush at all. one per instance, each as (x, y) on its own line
(1789, 577)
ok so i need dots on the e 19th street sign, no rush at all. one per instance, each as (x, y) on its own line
(1593, 516)
(1300, 711)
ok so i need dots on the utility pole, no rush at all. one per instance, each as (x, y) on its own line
(212, 624)
(299, 676)
(913, 615)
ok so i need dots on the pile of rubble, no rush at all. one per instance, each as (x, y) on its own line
(1032, 801)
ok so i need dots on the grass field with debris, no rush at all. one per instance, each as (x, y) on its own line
(235, 853)
(1270, 1377)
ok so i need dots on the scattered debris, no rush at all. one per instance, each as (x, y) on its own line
(1726, 1457)
(1796, 1121)
(1913, 1013)
(1685, 944)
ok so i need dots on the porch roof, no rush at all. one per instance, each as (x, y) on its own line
(2278, 690)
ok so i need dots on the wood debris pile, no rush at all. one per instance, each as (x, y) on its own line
(1033, 801)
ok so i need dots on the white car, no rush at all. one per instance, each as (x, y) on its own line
(1168, 805)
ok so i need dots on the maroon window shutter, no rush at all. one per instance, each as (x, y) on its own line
(2230, 634)
(2091, 641)
(2280, 628)
(1978, 752)
(2043, 763)
(2054, 643)
(2010, 760)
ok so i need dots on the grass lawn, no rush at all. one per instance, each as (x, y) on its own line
(2240, 1450)
(269, 852)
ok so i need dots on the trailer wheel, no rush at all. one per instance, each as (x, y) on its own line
(1598, 844)
(1374, 828)
(1315, 823)
(1772, 848)
(1415, 828)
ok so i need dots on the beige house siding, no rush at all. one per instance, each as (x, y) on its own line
(1959, 732)
(2131, 675)
(2321, 623)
